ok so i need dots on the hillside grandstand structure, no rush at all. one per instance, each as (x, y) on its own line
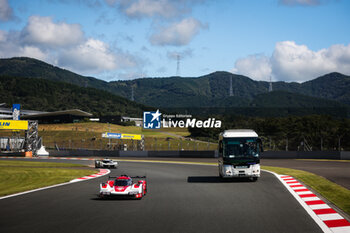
(64, 116)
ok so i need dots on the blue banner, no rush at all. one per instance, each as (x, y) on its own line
(112, 135)
(16, 112)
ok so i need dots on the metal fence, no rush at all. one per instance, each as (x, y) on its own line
(149, 144)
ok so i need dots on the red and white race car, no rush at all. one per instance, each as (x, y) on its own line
(123, 186)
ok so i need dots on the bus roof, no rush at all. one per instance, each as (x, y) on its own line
(239, 133)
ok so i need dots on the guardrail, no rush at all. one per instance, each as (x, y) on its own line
(106, 153)
(337, 155)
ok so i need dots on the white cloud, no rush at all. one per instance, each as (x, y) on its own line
(32, 51)
(44, 32)
(3, 36)
(300, 2)
(6, 12)
(65, 45)
(297, 62)
(94, 56)
(91, 56)
(152, 8)
(163, 12)
(11, 47)
(293, 62)
(255, 66)
(304, 2)
(177, 34)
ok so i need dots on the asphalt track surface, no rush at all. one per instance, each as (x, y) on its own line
(181, 198)
(335, 171)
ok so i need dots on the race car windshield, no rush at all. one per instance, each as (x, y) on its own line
(122, 183)
(240, 147)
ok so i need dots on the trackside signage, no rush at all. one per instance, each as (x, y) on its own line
(152, 120)
(12, 124)
(122, 136)
(16, 112)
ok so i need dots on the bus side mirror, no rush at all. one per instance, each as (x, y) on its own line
(220, 147)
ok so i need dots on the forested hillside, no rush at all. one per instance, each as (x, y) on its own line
(45, 95)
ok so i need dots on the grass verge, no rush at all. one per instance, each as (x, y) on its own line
(14, 179)
(326, 160)
(14, 163)
(334, 193)
(89, 136)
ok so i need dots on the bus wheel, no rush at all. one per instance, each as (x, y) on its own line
(254, 179)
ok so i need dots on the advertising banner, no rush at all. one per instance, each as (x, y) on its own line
(12, 124)
(122, 136)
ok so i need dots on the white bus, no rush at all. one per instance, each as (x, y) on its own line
(239, 151)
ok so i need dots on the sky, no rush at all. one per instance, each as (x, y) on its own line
(287, 40)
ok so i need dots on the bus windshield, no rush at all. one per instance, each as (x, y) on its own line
(240, 147)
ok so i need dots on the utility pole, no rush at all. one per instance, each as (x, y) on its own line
(132, 93)
(109, 138)
(231, 89)
(177, 65)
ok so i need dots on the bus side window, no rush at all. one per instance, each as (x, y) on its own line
(220, 148)
(259, 141)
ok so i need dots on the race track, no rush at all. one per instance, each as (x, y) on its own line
(181, 198)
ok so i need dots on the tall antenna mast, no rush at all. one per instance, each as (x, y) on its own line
(132, 93)
(270, 86)
(231, 89)
(177, 65)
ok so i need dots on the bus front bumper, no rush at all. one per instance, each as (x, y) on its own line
(230, 171)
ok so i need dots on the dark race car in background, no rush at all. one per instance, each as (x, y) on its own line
(124, 186)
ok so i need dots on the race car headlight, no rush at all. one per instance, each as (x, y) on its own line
(133, 192)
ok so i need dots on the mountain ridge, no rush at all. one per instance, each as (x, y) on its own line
(211, 90)
(47, 95)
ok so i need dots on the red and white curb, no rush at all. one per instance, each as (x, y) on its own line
(327, 218)
(69, 158)
(102, 172)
